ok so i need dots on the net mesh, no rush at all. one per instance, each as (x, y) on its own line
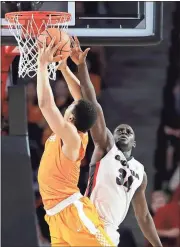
(26, 36)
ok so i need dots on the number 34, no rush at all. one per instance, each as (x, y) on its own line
(121, 178)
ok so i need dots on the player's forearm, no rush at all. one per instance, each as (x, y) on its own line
(98, 131)
(44, 91)
(148, 228)
(72, 82)
(87, 88)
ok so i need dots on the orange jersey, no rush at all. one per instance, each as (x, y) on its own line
(58, 176)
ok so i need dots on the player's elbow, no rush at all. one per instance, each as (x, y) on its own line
(98, 108)
(143, 217)
(77, 96)
(44, 103)
(41, 104)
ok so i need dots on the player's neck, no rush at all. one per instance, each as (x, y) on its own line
(127, 154)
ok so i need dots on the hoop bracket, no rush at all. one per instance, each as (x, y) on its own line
(8, 57)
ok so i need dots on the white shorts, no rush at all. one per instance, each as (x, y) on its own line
(112, 233)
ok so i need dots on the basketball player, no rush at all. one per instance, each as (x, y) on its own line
(72, 218)
(116, 177)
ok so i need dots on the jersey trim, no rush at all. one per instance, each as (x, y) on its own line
(95, 174)
(92, 178)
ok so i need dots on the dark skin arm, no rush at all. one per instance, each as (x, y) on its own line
(103, 140)
(143, 216)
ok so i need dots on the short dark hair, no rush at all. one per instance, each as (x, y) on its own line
(85, 115)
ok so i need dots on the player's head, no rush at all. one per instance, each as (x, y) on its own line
(124, 137)
(82, 114)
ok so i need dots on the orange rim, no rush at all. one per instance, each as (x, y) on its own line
(24, 16)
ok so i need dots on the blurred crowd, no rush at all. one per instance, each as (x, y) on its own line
(166, 196)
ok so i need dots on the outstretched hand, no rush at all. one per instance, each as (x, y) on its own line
(62, 64)
(77, 55)
(46, 53)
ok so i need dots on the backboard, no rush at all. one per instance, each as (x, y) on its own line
(107, 23)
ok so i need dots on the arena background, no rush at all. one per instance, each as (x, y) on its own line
(135, 85)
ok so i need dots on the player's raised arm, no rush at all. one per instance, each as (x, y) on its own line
(143, 215)
(99, 130)
(57, 123)
(71, 80)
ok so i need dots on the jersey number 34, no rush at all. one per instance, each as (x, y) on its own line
(120, 180)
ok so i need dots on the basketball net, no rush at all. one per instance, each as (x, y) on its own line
(26, 27)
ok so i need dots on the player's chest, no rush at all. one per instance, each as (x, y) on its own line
(121, 165)
(121, 172)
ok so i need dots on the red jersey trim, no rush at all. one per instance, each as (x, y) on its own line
(95, 175)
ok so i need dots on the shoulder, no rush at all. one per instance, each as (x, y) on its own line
(110, 140)
(143, 185)
(72, 137)
(144, 182)
(136, 162)
(110, 148)
(140, 192)
(101, 150)
(97, 155)
(137, 167)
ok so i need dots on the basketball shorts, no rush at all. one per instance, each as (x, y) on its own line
(112, 233)
(75, 222)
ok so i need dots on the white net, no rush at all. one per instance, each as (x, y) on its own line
(26, 37)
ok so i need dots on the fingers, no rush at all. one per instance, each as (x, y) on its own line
(72, 53)
(57, 58)
(62, 60)
(72, 41)
(86, 52)
(78, 47)
(39, 46)
(75, 44)
(51, 44)
(44, 42)
(54, 50)
(77, 41)
(65, 59)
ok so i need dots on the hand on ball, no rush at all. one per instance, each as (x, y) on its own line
(77, 55)
(46, 53)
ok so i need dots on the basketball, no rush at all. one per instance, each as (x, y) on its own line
(61, 36)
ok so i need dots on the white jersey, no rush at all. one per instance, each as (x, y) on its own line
(115, 184)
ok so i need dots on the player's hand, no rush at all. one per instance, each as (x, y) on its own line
(62, 64)
(46, 53)
(77, 55)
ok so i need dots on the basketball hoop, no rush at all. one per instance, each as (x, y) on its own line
(26, 26)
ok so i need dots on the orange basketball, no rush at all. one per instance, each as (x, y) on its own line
(61, 36)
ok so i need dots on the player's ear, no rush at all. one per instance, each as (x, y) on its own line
(134, 145)
(71, 118)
